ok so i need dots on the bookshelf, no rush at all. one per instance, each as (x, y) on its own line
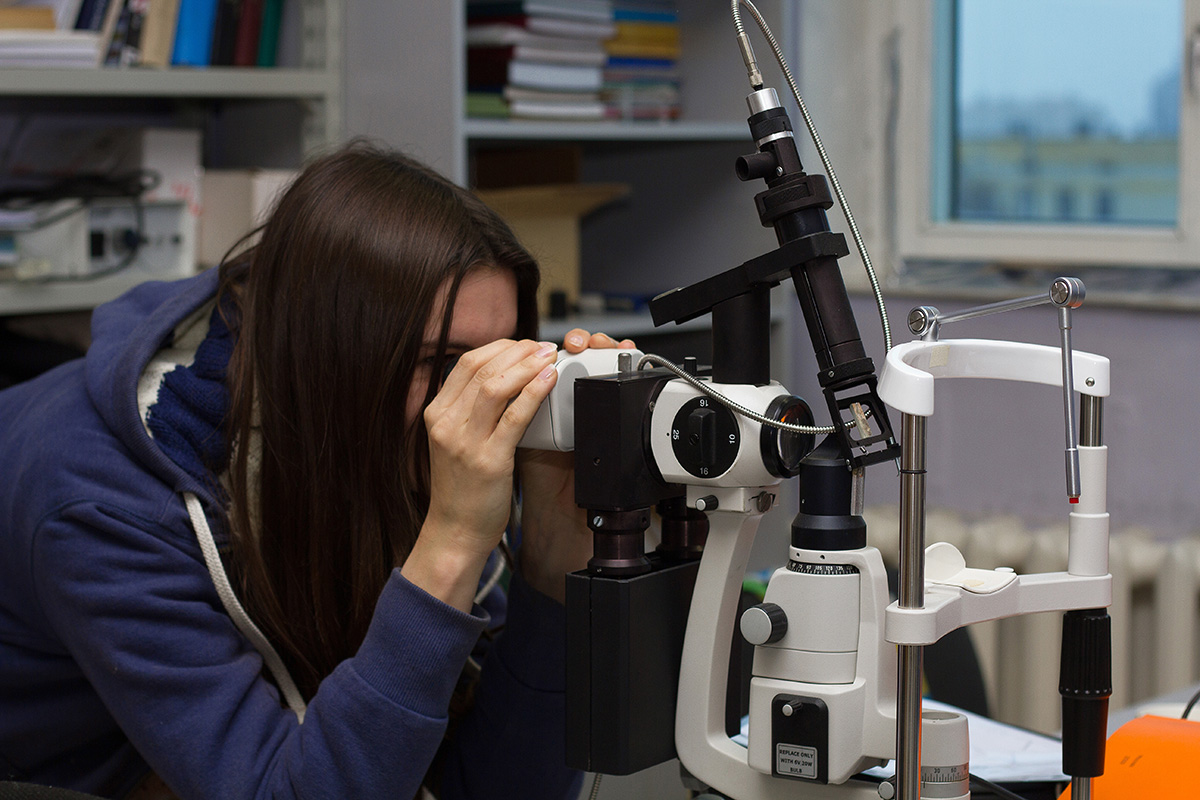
(250, 116)
(686, 217)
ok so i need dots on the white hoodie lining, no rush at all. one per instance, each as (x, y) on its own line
(212, 559)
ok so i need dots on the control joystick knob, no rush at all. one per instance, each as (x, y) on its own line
(764, 623)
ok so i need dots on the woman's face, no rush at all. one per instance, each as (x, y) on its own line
(484, 311)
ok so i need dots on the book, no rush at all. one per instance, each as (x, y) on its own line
(600, 10)
(651, 50)
(91, 15)
(56, 48)
(537, 75)
(249, 30)
(39, 14)
(124, 46)
(652, 32)
(194, 33)
(268, 36)
(116, 35)
(551, 26)
(158, 33)
(65, 12)
(495, 34)
(645, 10)
(486, 104)
(523, 103)
(225, 24)
(108, 28)
(520, 94)
(27, 18)
(641, 69)
(592, 55)
(534, 109)
(636, 15)
(644, 40)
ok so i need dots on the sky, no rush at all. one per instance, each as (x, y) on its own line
(1106, 52)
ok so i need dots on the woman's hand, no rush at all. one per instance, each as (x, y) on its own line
(555, 538)
(474, 424)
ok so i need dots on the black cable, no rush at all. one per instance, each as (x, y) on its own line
(85, 187)
(1190, 705)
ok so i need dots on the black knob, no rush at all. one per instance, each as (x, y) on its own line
(764, 623)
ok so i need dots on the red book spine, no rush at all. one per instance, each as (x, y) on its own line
(245, 45)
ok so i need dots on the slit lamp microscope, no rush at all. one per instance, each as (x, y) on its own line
(835, 684)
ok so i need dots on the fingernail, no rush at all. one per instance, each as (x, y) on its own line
(546, 373)
(575, 339)
(546, 349)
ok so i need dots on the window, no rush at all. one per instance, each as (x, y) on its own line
(1049, 132)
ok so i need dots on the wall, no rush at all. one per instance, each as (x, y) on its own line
(997, 448)
(994, 447)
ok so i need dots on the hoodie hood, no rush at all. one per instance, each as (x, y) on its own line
(126, 334)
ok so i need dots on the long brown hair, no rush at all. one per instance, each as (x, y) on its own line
(331, 311)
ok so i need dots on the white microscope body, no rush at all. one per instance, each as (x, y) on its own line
(823, 700)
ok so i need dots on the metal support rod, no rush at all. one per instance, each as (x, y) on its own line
(1068, 381)
(995, 308)
(1091, 421)
(926, 321)
(912, 595)
(1081, 789)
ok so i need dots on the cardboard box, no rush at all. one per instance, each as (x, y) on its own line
(546, 219)
(235, 202)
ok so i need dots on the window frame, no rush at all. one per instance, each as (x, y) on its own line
(922, 235)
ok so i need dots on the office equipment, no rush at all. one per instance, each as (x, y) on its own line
(829, 696)
(78, 242)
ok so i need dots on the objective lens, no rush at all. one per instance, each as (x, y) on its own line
(783, 450)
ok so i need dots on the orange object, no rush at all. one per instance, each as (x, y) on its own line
(1149, 757)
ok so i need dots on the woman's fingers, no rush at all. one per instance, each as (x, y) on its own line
(577, 340)
(464, 371)
(482, 386)
(502, 380)
(520, 412)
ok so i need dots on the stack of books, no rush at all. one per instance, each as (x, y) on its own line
(537, 59)
(143, 33)
(193, 33)
(641, 75)
(44, 36)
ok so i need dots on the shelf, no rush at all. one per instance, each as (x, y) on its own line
(42, 298)
(225, 82)
(481, 129)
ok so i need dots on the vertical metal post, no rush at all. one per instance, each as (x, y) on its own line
(912, 595)
(1064, 328)
(1090, 435)
(1091, 420)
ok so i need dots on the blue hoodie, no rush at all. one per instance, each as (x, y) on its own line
(117, 656)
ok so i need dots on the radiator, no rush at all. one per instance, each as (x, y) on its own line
(1155, 611)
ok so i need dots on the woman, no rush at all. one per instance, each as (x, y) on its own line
(245, 537)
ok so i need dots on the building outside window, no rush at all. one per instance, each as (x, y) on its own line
(1049, 131)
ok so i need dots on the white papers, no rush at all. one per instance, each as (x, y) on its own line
(41, 48)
